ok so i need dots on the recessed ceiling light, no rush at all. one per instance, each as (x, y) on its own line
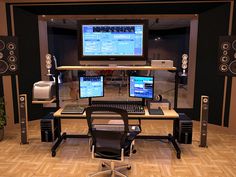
(52, 19)
(43, 16)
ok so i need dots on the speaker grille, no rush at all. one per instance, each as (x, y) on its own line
(227, 55)
(8, 55)
(232, 67)
(3, 67)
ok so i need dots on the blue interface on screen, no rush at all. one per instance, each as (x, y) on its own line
(141, 87)
(91, 86)
(112, 40)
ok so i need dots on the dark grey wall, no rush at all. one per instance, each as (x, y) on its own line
(26, 29)
(212, 24)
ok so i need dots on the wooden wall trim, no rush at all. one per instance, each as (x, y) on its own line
(112, 1)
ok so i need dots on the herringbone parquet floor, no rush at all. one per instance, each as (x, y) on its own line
(153, 158)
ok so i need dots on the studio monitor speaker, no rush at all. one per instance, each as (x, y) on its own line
(9, 57)
(227, 55)
(204, 120)
(23, 118)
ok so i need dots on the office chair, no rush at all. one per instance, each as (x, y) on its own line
(111, 141)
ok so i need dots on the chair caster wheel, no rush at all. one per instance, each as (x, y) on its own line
(129, 168)
(53, 153)
(103, 165)
(134, 151)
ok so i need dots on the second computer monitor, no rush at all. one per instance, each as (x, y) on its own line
(141, 87)
(91, 86)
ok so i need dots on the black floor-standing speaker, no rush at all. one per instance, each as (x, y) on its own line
(183, 129)
(204, 120)
(47, 128)
(24, 119)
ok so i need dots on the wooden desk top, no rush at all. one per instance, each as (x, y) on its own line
(168, 114)
(114, 68)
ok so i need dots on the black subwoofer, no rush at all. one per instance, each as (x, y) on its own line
(227, 55)
(9, 55)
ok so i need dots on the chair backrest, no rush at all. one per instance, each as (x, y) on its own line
(108, 139)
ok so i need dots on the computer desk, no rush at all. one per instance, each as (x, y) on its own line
(168, 115)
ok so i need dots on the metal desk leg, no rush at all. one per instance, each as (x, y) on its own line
(58, 136)
(57, 143)
(177, 149)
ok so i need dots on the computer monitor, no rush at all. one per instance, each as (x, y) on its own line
(91, 86)
(141, 87)
(105, 42)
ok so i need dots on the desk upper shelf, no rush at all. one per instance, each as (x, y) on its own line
(62, 68)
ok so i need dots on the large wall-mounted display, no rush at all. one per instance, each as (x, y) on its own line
(113, 41)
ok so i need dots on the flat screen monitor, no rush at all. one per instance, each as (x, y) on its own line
(91, 86)
(113, 42)
(141, 87)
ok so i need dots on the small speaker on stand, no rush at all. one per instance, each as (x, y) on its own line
(204, 120)
(24, 119)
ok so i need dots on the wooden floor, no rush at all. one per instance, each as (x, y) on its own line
(153, 158)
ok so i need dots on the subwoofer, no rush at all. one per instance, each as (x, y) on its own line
(227, 55)
(204, 120)
(9, 57)
(23, 119)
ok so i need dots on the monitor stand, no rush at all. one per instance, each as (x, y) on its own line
(90, 101)
(143, 102)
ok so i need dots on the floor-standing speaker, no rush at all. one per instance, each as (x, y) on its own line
(9, 57)
(183, 129)
(227, 55)
(204, 120)
(47, 128)
(24, 119)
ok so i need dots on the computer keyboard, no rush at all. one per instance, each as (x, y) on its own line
(73, 109)
(130, 107)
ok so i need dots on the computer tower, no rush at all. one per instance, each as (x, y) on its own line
(183, 129)
(227, 56)
(47, 128)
